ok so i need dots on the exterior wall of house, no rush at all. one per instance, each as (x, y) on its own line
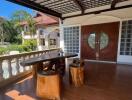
(104, 17)
(45, 33)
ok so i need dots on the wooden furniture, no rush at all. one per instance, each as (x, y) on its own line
(76, 73)
(48, 85)
(55, 58)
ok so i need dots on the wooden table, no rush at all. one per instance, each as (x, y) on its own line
(55, 58)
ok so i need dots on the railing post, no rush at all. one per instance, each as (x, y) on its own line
(17, 65)
(28, 57)
(1, 70)
(23, 58)
(9, 67)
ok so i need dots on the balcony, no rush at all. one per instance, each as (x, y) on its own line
(10, 68)
(103, 81)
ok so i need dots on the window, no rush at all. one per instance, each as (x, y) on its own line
(91, 40)
(52, 41)
(41, 31)
(71, 39)
(104, 40)
(42, 41)
(126, 38)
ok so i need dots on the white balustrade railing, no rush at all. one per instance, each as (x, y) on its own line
(10, 64)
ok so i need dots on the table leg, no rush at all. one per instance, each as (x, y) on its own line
(59, 65)
(36, 67)
(62, 66)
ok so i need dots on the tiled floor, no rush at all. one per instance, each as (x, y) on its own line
(102, 82)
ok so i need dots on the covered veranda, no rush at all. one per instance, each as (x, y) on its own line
(108, 69)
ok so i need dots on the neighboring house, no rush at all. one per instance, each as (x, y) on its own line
(47, 31)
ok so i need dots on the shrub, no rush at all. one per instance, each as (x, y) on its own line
(24, 48)
(20, 48)
(3, 50)
(29, 45)
(32, 44)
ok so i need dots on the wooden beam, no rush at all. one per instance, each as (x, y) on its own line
(36, 6)
(97, 12)
(113, 4)
(79, 4)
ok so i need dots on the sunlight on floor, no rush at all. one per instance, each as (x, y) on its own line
(15, 95)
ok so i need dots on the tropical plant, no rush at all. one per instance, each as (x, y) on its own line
(22, 16)
(31, 26)
(19, 16)
(10, 31)
(3, 50)
(31, 44)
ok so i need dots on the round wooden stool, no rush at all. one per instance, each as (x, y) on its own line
(76, 74)
(48, 85)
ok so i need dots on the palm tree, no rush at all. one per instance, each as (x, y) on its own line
(20, 16)
(31, 25)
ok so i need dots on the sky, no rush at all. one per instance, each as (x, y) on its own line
(7, 8)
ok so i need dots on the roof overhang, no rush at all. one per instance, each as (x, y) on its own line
(72, 8)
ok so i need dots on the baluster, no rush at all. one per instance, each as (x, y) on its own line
(36, 55)
(33, 55)
(27, 57)
(17, 65)
(1, 70)
(23, 59)
(9, 67)
(28, 67)
(30, 56)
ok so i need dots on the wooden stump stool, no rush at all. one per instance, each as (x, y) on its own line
(48, 85)
(77, 76)
(76, 72)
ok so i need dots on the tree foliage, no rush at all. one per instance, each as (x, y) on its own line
(3, 34)
(18, 17)
(31, 26)
(10, 30)
(23, 16)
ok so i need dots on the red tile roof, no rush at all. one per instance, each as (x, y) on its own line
(43, 19)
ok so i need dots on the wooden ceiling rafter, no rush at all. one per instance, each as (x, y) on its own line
(35, 6)
(59, 7)
(52, 4)
(97, 12)
(113, 4)
(79, 4)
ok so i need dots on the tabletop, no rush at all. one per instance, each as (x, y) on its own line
(47, 57)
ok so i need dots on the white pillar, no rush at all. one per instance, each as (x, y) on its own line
(61, 34)
(38, 40)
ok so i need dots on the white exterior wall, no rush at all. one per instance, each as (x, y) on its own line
(105, 17)
(47, 34)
